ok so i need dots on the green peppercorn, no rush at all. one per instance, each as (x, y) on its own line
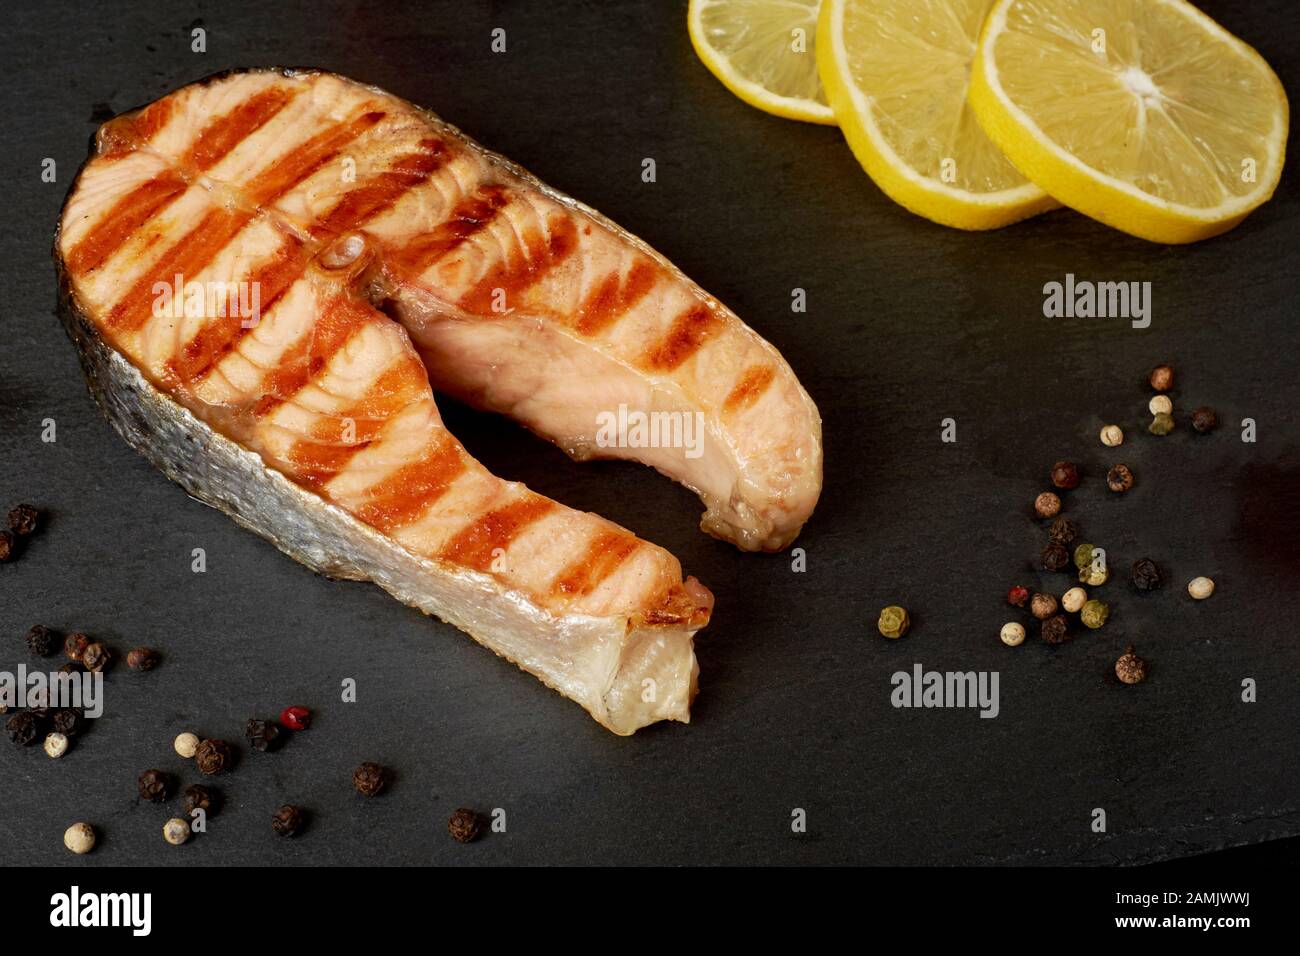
(1162, 424)
(1094, 614)
(1083, 556)
(894, 621)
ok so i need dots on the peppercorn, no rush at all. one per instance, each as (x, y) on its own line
(154, 786)
(197, 797)
(71, 667)
(1094, 614)
(176, 831)
(1093, 576)
(1074, 599)
(22, 520)
(1200, 588)
(1083, 555)
(1065, 474)
(1055, 557)
(1146, 576)
(1056, 630)
(463, 826)
(56, 745)
(1047, 505)
(1119, 478)
(74, 646)
(296, 718)
(1160, 405)
(1205, 420)
(212, 756)
(1112, 435)
(1162, 378)
(1042, 606)
(1162, 424)
(287, 820)
(262, 734)
(66, 722)
(369, 779)
(79, 838)
(96, 657)
(38, 701)
(1012, 634)
(142, 659)
(22, 728)
(1063, 531)
(894, 621)
(1130, 668)
(1018, 596)
(41, 640)
(7, 547)
(186, 744)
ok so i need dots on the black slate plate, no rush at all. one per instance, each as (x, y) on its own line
(907, 324)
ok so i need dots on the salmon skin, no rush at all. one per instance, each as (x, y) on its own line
(263, 272)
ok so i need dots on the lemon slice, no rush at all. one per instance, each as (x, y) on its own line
(762, 50)
(896, 73)
(1145, 114)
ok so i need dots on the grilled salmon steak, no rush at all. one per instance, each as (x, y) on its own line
(267, 274)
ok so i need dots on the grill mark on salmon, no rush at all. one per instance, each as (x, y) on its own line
(382, 191)
(469, 216)
(403, 496)
(290, 170)
(538, 255)
(613, 296)
(124, 219)
(688, 333)
(226, 132)
(754, 381)
(604, 555)
(474, 545)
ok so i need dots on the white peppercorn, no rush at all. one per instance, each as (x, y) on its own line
(1013, 634)
(186, 744)
(56, 745)
(176, 831)
(1112, 435)
(1161, 405)
(1200, 588)
(79, 838)
(1074, 599)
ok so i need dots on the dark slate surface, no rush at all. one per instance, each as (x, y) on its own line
(907, 323)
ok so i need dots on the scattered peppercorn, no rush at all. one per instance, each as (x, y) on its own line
(197, 797)
(1162, 424)
(41, 640)
(142, 659)
(1055, 557)
(1094, 614)
(1112, 435)
(186, 744)
(1130, 668)
(1083, 555)
(56, 745)
(7, 546)
(1205, 420)
(71, 667)
(1074, 599)
(22, 520)
(154, 786)
(1042, 606)
(1047, 505)
(22, 728)
(1056, 630)
(1119, 478)
(1162, 378)
(1013, 634)
(1200, 588)
(894, 621)
(66, 722)
(79, 838)
(1063, 531)
(39, 701)
(212, 756)
(463, 826)
(1146, 576)
(287, 820)
(262, 735)
(1160, 405)
(369, 779)
(1065, 474)
(74, 646)
(296, 718)
(96, 657)
(176, 831)
(1018, 596)
(1094, 576)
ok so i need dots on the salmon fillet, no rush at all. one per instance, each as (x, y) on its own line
(264, 271)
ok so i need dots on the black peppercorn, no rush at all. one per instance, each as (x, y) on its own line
(22, 519)
(369, 779)
(1065, 474)
(287, 820)
(23, 728)
(1056, 629)
(39, 701)
(66, 722)
(154, 786)
(197, 797)
(1119, 478)
(1055, 557)
(263, 735)
(7, 546)
(212, 756)
(463, 826)
(74, 646)
(1063, 531)
(1146, 576)
(142, 659)
(1205, 420)
(41, 640)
